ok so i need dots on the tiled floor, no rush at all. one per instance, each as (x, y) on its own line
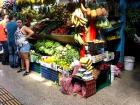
(124, 91)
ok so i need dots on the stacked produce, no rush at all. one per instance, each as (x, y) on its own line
(46, 26)
(103, 23)
(58, 13)
(94, 10)
(62, 55)
(31, 2)
(86, 63)
(63, 30)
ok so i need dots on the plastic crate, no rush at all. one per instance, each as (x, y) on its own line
(35, 67)
(49, 74)
(45, 72)
(90, 88)
(54, 75)
(103, 80)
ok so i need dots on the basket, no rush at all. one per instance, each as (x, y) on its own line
(90, 88)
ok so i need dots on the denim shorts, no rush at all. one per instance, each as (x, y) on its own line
(25, 48)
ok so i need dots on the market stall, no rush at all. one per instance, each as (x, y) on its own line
(75, 44)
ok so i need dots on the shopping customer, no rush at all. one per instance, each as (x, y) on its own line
(13, 54)
(3, 40)
(22, 34)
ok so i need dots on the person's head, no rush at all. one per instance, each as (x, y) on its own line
(19, 23)
(6, 18)
(11, 17)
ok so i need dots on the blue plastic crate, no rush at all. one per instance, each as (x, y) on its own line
(45, 72)
(49, 74)
(35, 67)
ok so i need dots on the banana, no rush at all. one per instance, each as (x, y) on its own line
(80, 40)
(75, 38)
(77, 18)
(33, 1)
(72, 19)
(81, 24)
(83, 21)
(83, 8)
(77, 22)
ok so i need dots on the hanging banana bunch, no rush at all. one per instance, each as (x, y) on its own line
(78, 18)
(19, 2)
(78, 39)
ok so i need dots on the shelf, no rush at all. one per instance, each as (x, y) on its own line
(114, 28)
(110, 30)
(59, 38)
(116, 39)
(62, 38)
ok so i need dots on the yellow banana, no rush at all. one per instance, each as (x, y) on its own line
(80, 40)
(75, 38)
(83, 8)
(72, 19)
(83, 21)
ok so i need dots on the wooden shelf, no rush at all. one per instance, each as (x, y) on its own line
(62, 38)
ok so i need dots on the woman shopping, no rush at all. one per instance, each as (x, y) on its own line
(22, 34)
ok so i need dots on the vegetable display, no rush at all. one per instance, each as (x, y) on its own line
(63, 55)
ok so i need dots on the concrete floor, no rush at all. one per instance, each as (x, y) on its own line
(124, 91)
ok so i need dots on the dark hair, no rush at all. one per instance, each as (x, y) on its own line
(11, 17)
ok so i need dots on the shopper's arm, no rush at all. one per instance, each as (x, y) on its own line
(28, 31)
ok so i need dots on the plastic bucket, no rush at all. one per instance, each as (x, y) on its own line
(129, 63)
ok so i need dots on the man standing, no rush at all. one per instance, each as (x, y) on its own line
(11, 29)
(3, 40)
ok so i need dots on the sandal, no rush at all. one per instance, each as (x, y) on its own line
(20, 70)
(25, 73)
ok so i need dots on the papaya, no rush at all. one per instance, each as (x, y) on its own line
(104, 11)
(88, 12)
(93, 13)
(99, 11)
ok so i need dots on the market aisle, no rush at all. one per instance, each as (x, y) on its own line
(124, 91)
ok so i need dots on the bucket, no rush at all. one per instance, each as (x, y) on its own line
(129, 63)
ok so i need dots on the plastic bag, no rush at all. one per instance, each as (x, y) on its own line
(66, 85)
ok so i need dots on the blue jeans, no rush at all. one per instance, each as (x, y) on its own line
(12, 48)
(5, 55)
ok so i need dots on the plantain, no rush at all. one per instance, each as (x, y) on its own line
(83, 8)
(80, 40)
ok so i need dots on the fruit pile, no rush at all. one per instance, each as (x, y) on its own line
(94, 10)
(103, 24)
(60, 31)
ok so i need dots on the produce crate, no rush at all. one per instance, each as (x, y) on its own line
(35, 67)
(90, 88)
(45, 72)
(34, 58)
(49, 74)
(103, 80)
